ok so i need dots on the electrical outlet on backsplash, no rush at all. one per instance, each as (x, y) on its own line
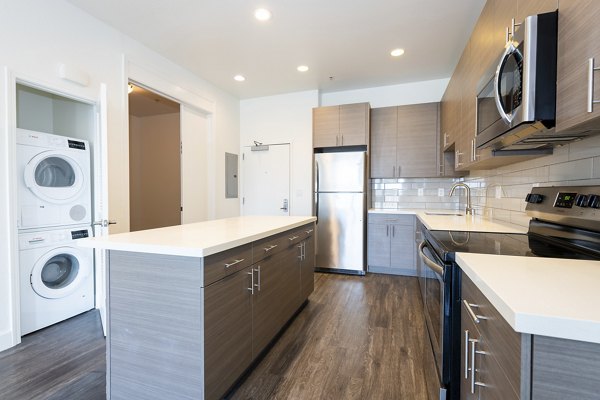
(414, 193)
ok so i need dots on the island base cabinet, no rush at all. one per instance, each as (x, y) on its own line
(565, 369)
(154, 342)
(228, 332)
(271, 299)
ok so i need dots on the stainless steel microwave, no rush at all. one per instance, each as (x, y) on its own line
(516, 99)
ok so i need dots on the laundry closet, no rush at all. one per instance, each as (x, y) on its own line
(55, 187)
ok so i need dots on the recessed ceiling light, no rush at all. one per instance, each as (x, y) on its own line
(239, 78)
(397, 52)
(302, 68)
(262, 14)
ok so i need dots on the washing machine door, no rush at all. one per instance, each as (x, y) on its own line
(60, 272)
(54, 177)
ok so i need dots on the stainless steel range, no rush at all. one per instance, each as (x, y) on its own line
(565, 224)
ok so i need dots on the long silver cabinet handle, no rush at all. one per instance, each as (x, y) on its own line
(436, 268)
(476, 318)
(258, 280)
(591, 70)
(308, 232)
(251, 288)
(473, 368)
(300, 247)
(234, 263)
(467, 369)
(293, 238)
(303, 250)
(266, 249)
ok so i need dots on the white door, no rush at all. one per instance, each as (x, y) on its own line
(194, 165)
(101, 201)
(265, 176)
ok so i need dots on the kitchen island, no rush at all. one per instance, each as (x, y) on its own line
(191, 307)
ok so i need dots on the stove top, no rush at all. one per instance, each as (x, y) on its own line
(446, 243)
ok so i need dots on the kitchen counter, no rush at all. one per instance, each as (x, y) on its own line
(541, 296)
(435, 221)
(199, 239)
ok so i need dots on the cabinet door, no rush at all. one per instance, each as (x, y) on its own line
(378, 245)
(354, 124)
(402, 249)
(578, 33)
(384, 127)
(526, 8)
(417, 144)
(227, 332)
(307, 269)
(268, 300)
(326, 126)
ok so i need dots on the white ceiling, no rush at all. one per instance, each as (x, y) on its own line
(347, 39)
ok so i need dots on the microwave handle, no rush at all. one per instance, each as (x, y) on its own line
(510, 48)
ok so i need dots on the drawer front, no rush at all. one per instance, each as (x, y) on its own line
(220, 265)
(397, 219)
(268, 246)
(297, 235)
(497, 385)
(503, 343)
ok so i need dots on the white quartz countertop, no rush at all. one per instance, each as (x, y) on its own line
(434, 220)
(541, 296)
(199, 239)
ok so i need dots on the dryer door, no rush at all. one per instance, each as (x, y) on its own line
(54, 177)
(60, 272)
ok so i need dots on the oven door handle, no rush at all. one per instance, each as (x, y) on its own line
(430, 263)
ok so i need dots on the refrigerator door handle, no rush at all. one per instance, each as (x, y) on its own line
(317, 191)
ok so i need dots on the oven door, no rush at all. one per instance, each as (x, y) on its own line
(436, 302)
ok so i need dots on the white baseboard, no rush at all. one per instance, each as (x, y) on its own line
(6, 340)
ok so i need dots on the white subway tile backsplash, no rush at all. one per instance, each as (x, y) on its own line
(404, 193)
(578, 169)
(576, 164)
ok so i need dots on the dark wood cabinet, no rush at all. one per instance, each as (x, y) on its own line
(343, 125)
(405, 141)
(578, 33)
(227, 331)
(307, 268)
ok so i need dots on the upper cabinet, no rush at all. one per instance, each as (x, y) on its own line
(578, 43)
(344, 125)
(476, 66)
(404, 141)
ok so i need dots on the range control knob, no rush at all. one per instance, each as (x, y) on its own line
(534, 198)
(594, 201)
(581, 200)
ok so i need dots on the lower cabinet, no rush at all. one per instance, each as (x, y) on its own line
(491, 364)
(390, 244)
(307, 267)
(227, 332)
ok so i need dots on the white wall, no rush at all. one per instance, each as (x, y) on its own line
(394, 95)
(38, 35)
(284, 119)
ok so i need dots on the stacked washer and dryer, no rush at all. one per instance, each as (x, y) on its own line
(54, 210)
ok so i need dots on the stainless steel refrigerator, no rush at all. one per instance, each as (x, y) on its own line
(341, 208)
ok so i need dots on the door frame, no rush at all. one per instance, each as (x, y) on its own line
(161, 85)
(242, 174)
(10, 247)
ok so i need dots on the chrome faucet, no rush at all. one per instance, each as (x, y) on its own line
(469, 210)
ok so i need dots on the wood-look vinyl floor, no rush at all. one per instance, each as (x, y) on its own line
(66, 361)
(357, 338)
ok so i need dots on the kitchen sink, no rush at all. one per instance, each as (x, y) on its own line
(448, 213)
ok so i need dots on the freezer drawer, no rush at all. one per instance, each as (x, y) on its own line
(341, 231)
